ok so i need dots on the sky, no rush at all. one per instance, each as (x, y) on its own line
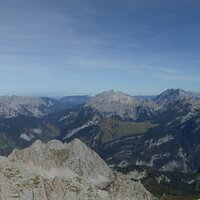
(69, 47)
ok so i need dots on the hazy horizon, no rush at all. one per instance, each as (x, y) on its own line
(140, 47)
(58, 96)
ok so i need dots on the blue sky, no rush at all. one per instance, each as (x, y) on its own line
(62, 47)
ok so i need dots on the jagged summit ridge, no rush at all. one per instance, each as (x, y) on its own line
(172, 95)
(13, 106)
(75, 156)
(57, 170)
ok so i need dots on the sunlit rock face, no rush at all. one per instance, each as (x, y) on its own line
(13, 106)
(58, 171)
(112, 103)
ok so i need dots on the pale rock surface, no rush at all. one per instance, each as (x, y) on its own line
(56, 171)
(112, 103)
(13, 106)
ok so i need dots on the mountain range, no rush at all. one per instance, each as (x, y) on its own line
(161, 132)
(153, 140)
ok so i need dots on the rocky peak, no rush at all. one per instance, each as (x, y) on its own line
(57, 170)
(172, 95)
(111, 96)
(13, 106)
(113, 103)
(74, 156)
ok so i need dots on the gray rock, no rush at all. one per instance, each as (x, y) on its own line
(13, 106)
(112, 103)
(56, 171)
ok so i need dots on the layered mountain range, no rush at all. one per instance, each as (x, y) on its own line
(14, 106)
(161, 132)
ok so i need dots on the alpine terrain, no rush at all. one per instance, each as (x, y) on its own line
(64, 171)
(160, 133)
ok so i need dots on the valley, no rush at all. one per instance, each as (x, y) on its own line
(161, 133)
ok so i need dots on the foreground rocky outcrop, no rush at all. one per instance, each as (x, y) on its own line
(64, 171)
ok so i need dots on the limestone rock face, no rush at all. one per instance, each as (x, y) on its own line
(14, 106)
(59, 158)
(56, 171)
(112, 103)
